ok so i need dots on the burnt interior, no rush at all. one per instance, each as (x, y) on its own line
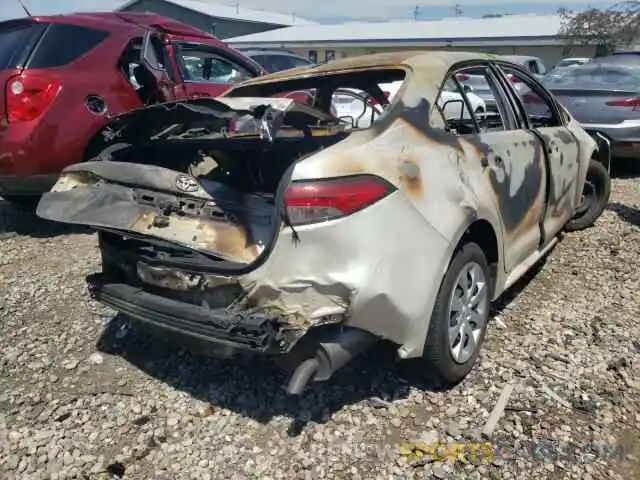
(238, 165)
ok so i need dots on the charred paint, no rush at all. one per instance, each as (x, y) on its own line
(514, 208)
(565, 137)
(227, 241)
(411, 178)
(419, 118)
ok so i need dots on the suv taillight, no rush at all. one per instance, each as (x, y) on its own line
(28, 96)
(323, 200)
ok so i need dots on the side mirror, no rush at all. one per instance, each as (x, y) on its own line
(467, 88)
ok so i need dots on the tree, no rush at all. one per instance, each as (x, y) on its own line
(607, 29)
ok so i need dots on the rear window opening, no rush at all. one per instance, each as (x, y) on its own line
(358, 98)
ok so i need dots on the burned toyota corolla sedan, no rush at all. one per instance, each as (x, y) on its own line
(258, 221)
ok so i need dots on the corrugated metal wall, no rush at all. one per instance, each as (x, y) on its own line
(550, 55)
(224, 28)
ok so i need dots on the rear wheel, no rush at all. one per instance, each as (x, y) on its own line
(595, 197)
(460, 316)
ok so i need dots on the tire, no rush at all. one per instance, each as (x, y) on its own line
(596, 193)
(439, 352)
(27, 203)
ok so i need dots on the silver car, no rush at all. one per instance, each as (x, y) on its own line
(603, 97)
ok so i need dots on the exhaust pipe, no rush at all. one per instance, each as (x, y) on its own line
(332, 354)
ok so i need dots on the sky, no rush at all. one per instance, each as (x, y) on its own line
(334, 11)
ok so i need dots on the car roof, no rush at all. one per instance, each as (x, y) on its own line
(401, 59)
(260, 51)
(126, 20)
(276, 53)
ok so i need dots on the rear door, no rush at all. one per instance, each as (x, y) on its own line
(209, 71)
(511, 158)
(562, 153)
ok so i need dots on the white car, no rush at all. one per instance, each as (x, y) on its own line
(310, 242)
(349, 103)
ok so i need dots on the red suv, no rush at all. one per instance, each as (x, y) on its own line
(62, 77)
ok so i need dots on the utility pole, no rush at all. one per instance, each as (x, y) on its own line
(416, 12)
(237, 7)
(457, 10)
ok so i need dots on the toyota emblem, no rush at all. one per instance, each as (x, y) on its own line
(187, 184)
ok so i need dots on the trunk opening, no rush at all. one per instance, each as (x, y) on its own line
(206, 202)
(246, 178)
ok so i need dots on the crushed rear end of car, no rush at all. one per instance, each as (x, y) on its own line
(196, 234)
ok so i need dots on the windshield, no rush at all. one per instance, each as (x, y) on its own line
(598, 77)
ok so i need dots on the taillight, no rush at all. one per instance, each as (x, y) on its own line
(323, 200)
(28, 96)
(462, 77)
(627, 102)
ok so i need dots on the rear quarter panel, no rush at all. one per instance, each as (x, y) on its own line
(410, 236)
(68, 125)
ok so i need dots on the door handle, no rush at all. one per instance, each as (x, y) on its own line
(200, 94)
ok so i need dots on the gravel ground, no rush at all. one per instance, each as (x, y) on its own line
(82, 395)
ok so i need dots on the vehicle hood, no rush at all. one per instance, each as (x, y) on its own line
(205, 116)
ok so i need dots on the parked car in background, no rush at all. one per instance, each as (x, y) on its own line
(534, 65)
(630, 57)
(277, 60)
(603, 97)
(564, 64)
(480, 87)
(297, 236)
(572, 61)
(63, 76)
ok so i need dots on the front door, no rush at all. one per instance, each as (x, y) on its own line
(561, 152)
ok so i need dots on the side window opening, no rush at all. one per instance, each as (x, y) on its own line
(452, 104)
(204, 65)
(534, 104)
(473, 88)
(130, 59)
(137, 72)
